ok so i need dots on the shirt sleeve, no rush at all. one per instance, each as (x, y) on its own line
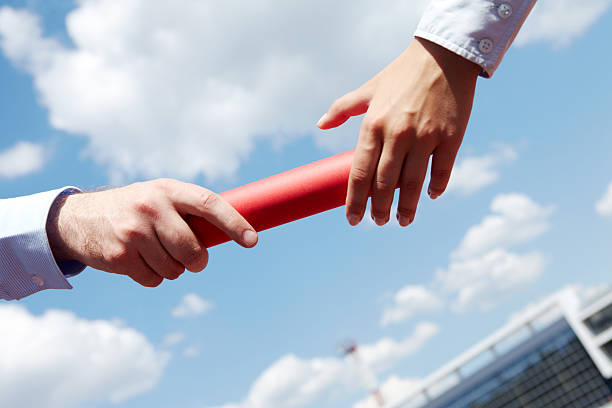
(27, 264)
(478, 30)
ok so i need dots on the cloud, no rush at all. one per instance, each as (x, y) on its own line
(191, 352)
(191, 305)
(515, 219)
(476, 172)
(172, 339)
(392, 389)
(22, 159)
(293, 382)
(385, 352)
(409, 301)
(559, 22)
(604, 205)
(485, 280)
(186, 88)
(60, 360)
(483, 270)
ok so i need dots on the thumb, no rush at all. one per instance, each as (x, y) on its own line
(352, 104)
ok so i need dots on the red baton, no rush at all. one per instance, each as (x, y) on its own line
(284, 197)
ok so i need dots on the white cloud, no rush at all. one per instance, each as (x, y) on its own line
(515, 219)
(392, 389)
(22, 159)
(60, 360)
(604, 205)
(485, 280)
(476, 172)
(483, 271)
(385, 352)
(560, 21)
(174, 338)
(191, 305)
(185, 88)
(191, 352)
(409, 301)
(292, 382)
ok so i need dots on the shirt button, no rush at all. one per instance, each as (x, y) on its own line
(485, 45)
(504, 10)
(38, 280)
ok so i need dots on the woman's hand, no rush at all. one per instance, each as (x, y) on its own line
(418, 106)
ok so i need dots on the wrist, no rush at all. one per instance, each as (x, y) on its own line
(60, 228)
(454, 65)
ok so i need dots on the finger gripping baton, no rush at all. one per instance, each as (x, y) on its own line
(284, 197)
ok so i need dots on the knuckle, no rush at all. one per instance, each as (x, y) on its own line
(383, 185)
(428, 131)
(452, 133)
(201, 263)
(208, 199)
(145, 277)
(402, 128)
(146, 207)
(410, 185)
(192, 255)
(374, 124)
(337, 106)
(428, 127)
(163, 184)
(441, 173)
(117, 257)
(370, 148)
(174, 272)
(359, 175)
(152, 281)
(132, 233)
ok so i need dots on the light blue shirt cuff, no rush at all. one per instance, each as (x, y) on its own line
(27, 264)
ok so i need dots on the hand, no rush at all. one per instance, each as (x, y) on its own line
(140, 230)
(418, 106)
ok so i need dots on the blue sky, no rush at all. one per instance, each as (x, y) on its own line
(540, 133)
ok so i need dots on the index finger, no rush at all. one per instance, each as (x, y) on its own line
(201, 202)
(364, 165)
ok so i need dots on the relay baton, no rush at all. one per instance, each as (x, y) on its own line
(284, 197)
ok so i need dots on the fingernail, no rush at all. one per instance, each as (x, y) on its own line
(379, 221)
(431, 194)
(322, 119)
(249, 237)
(403, 220)
(353, 219)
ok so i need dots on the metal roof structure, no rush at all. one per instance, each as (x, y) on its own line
(592, 324)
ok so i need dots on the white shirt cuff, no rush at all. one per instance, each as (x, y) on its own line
(478, 30)
(27, 264)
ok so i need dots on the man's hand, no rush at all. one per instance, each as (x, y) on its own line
(141, 230)
(418, 106)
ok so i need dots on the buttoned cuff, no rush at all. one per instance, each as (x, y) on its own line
(478, 30)
(27, 264)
